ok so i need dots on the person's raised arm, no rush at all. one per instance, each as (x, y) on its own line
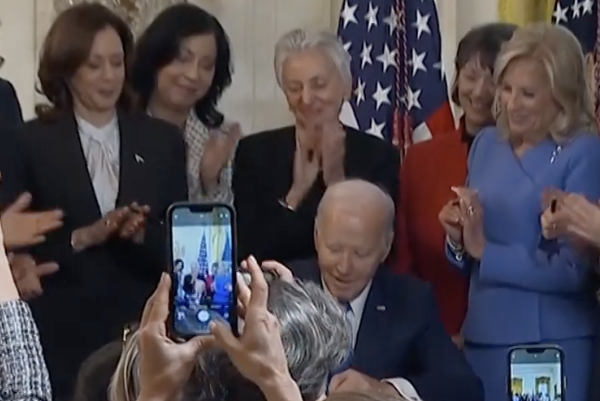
(23, 371)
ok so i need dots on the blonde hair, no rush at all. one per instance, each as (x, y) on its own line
(560, 54)
(124, 384)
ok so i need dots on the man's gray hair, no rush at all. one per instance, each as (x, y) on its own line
(300, 40)
(357, 192)
(316, 338)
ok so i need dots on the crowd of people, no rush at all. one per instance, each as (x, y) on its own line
(493, 245)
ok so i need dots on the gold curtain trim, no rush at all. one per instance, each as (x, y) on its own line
(522, 12)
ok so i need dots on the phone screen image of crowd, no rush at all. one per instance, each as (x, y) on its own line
(536, 377)
(202, 270)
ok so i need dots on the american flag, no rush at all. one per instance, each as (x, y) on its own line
(400, 90)
(203, 267)
(582, 18)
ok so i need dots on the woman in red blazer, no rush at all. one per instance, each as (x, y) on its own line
(431, 168)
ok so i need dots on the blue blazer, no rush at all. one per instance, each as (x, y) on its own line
(401, 335)
(526, 289)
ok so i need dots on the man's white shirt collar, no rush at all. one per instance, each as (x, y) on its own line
(357, 305)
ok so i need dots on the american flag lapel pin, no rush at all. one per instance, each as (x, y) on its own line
(139, 159)
(381, 308)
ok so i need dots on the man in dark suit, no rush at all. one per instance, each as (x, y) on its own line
(10, 109)
(400, 344)
(280, 175)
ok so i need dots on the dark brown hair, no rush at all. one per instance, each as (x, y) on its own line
(67, 46)
(484, 42)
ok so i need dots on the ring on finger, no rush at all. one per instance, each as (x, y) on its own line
(471, 210)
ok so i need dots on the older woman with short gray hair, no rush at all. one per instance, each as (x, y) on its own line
(315, 336)
(280, 175)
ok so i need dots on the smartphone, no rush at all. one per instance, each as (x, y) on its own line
(536, 372)
(202, 248)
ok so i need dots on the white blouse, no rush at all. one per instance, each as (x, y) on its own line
(101, 151)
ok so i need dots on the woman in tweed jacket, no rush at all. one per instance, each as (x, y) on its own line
(182, 67)
(23, 372)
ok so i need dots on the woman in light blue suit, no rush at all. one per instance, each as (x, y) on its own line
(524, 288)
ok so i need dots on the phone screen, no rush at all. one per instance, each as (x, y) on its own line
(536, 373)
(203, 252)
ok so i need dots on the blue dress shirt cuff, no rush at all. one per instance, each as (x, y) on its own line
(404, 388)
(458, 259)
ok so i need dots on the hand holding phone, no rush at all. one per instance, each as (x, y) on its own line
(272, 270)
(203, 275)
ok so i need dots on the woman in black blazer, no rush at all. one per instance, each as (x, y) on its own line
(113, 172)
(280, 175)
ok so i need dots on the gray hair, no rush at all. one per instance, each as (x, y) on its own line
(358, 192)
(316, 338)
(300, 40)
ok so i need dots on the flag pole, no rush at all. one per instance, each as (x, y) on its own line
(402, 124)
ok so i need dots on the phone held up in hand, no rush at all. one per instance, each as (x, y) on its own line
(536, 372)
(202, 249)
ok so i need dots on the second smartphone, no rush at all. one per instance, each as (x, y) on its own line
(202, 250)
(536, 373)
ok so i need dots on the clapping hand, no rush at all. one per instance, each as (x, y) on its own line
(218, 151)
(471, 212)
(134, 224)
(98, 232)
(575, 217)
(307, 164)
(553, 220)
(333, 151)
(28, 274)
(24, 228)
(450, 217)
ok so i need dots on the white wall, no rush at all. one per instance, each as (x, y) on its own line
(531, 371)
(253, 26)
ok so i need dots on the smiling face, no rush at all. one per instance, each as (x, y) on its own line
(350, 247)
(475, 89)
(98, 83)
(313, 87)
(526, 98)
(186, 79)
